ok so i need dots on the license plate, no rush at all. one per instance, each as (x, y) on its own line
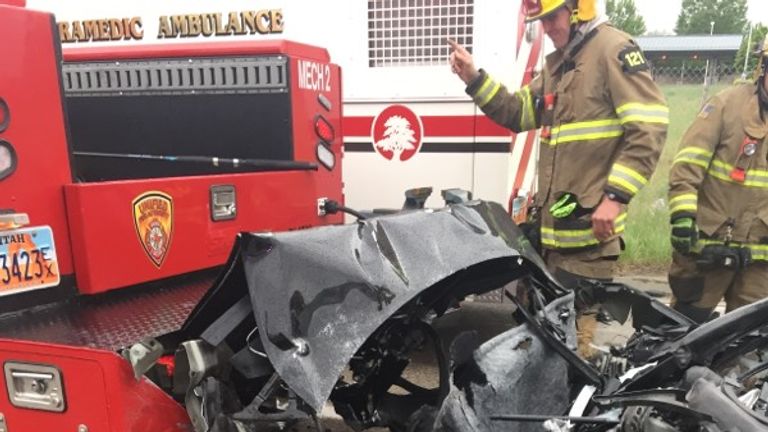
(27, 260)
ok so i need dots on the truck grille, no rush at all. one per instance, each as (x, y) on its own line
(267, 74)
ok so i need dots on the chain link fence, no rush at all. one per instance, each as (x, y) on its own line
(716, 73)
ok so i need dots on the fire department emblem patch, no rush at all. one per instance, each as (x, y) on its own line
(396, 133)
(153, 219)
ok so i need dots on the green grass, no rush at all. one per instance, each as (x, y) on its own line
(647, 234)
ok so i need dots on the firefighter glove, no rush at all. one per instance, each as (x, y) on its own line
(564, 207)
(684, 234)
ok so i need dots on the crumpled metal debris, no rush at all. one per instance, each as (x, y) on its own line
(336, 313)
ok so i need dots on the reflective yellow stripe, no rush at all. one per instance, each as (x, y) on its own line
(759, 252)
(585, 124)
(641, 106)
(624, 184)
(487, 83)
(695, 150)
(490, 96)
(684, 202)
(586, 130)
(565, 239)
(644, 119)
(556, 240)
(486, 92)
(481, 94)
(626, 178)
(694, 155)
(682, 197)
(729, 167)
(698, 162)
(528, 120)
(645, 113)
(752, 178)
(586, 137)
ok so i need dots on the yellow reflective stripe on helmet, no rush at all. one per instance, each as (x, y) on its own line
(645, 113)
(586, 130)
(626, 178)
(694, 155)
(752, 178)
(685, 202)
(565, 239)
(487, 91)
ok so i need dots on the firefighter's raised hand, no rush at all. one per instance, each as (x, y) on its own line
(604, 219)
(462, 63)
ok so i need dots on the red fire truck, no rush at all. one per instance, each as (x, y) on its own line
(127, 174)
(395, 57)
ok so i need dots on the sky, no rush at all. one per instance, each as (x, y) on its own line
(661, 15)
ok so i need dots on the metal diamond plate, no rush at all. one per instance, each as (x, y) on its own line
(110, 321)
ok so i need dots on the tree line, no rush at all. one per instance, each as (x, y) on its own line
(698, 17)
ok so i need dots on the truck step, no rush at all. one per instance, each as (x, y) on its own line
(112, 320)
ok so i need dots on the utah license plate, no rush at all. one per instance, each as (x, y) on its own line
(27, 260)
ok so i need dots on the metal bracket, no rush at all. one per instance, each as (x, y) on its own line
(143, 356)
(13, 220)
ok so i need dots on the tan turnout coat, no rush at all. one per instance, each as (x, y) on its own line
(601, 134)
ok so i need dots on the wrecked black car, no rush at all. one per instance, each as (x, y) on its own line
(333, 316)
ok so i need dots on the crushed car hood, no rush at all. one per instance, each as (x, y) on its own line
(319, 294)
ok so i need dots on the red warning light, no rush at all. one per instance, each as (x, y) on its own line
(324, 130)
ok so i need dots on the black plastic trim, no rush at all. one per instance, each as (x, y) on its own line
(5, 115)
(14, 159)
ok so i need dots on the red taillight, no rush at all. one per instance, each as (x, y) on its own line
(324, 130)
(168, 362)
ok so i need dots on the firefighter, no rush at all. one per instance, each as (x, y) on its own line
(718, 202)
(603, 123)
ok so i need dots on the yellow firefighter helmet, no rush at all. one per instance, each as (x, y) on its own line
(537, 9)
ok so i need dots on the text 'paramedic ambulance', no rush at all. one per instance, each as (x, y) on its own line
(407, 121)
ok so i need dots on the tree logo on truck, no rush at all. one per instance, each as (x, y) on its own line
(153, 219)
(397, 133)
